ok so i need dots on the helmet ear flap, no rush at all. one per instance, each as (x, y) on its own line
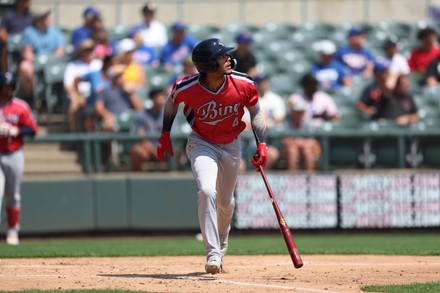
(233, 61)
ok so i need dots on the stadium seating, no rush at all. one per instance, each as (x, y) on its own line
(285, 52)
(158, 77)
(234, 28)
(53, 72)
(283, 84)
(118, 32)
(203, 31)
(14, 51)
(399, 29)
(281, 31)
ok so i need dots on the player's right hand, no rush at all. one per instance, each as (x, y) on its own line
(164, 144)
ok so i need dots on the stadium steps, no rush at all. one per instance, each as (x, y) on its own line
(48, 159)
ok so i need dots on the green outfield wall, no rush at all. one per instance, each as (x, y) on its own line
(109, 203)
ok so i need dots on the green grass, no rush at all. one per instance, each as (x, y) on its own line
(410, 288)
(385, 244)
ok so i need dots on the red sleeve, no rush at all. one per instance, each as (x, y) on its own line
(412, 60)
(252, 96)
(27, 119)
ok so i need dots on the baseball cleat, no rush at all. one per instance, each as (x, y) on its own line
(213, 267)
(12, 237)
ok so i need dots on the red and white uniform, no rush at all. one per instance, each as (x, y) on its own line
(216, 116)
(214, 150)
(17, 113)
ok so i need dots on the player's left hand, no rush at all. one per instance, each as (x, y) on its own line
(260, 157)
(7, 129)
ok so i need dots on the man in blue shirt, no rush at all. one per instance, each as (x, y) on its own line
(358, 59)
(330, 73)
(14, 21)
(85, 31)
(179, 47)
(374, 93)
(39, 39)
(143, 54)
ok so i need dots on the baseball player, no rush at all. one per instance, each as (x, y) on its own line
(16, 121)
(214, 102)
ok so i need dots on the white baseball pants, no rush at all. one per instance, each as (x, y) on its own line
(215, 169)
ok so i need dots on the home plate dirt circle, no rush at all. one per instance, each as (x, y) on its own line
(273, 273)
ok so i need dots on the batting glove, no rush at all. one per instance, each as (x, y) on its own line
(7, 129)
(164, 144)
(260, 157)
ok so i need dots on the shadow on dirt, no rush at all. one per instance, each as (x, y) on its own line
(198, 276)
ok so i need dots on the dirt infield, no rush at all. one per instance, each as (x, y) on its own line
(321, 273)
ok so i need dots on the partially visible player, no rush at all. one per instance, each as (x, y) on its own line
(16, 121)
(214, 106)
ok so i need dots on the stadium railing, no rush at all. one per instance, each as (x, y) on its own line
(378, 146)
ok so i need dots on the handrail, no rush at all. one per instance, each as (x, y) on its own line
(91, 148)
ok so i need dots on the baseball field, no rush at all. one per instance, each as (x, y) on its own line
(367, 262)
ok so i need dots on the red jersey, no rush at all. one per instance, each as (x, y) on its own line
(216, 116)
(17, 113)
(420, 59)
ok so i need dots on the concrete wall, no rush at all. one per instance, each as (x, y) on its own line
(67, 13)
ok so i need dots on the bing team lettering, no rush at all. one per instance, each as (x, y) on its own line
(212, 112)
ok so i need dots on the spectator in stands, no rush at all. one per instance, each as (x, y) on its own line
(274, 110)
(98, 81)
(398, 63)
(372, 94)
(41, 38)
(134, 74)
(178, 47)
(103, 45)
(355, 56)
(144, 55)
(116, 100)
(111, 106)
(307, 111)
(273, 106)
(153, 32)
(330, 73)
(85, 31)
(399, 105)
(14, 21)
(426, 52)
(81, 65)
(188, 68)
(246, 60)
(148, 121)
(432, 76)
